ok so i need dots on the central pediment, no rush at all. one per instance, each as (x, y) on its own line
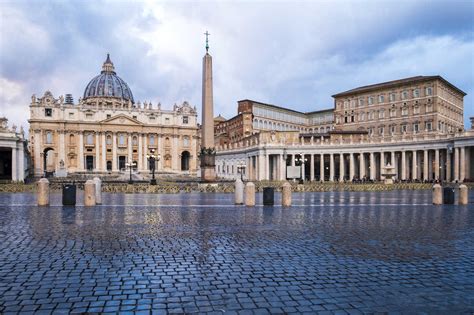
(121, 120)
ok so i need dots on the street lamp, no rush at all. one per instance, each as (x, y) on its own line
(131, 166)
(151, 159)
(241, 168)
(301, 160)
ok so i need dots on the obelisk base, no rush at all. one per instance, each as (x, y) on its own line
(208, 166)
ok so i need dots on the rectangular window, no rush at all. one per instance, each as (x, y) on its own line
(89, 116)
(428, 91)
(185, 120)
(71, 115)
(416, 128)
(392, 97)
(416, 93)
(382, 113)
(108, 116)
(404, 111)
(370, 100)
(404, 128)
(134, 117)
(393, 112)
(404, 95)
(416, 110)
(392, 129)
(361, 102)
(381, 130)
(48, 112)
(381, 98)
(428, 126)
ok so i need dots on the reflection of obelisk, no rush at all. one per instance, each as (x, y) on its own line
(208, 153)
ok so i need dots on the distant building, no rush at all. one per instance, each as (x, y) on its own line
(107, 130)
(13, 153)
(414, 124)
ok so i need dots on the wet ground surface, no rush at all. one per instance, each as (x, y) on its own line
(332, 252)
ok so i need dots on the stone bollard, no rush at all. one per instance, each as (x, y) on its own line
(249, 194)
(286, 194)
(98, 190)
(89, 193)
(239, 192)
(43, 192)
(463, 195)
(437, 194)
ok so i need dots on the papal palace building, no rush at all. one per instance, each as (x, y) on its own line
(107, 131)
(414, 125)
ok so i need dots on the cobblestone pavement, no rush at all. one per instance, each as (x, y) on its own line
(331, 253)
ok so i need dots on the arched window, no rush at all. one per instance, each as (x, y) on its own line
(167, 142)
(135, 141)
(109, 139)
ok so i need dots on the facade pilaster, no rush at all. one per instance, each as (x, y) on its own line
(97, 152)
(80, 158)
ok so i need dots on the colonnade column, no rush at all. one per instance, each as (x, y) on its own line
(462, 164)
(436, 171)
(382, 163)
(448, 165)
(414, 170)
(321, 167)
(145, 153)
(392, 159)
(14, 165)
(404, 166)
(114, 152)
(283, 167)
(351, 166)
(311, 165)
(331, 167)
(456, 164)
(372, 166)
(425, 165)
(342, 168)
(21, 163)
(97, 152)
(362, 165)
(80, 158)
(261, 166)
(267, 166)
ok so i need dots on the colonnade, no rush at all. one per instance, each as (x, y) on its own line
(446, 164)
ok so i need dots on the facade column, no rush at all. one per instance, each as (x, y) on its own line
(448, 165)
(456, 164)
(362, 165)
(62, 146)
(414, 169)
(14, 164)
(342, 167)
(321, 167)
(97, 152)
(104, 152)
(373, 168)
(140, 152)
(331, 167)
(436, 170)
(114, 152)
(462, 165)
(351, 166)
(404, 166)
(425, 165)
(130, 157)
(145, 153)
(80, 158)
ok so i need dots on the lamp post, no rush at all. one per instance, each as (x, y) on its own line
(151, 159)
(301, 160)
(241, 168)
(130, 166)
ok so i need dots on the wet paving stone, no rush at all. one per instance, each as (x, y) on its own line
(331, 253)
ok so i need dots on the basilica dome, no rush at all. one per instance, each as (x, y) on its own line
(108, 84)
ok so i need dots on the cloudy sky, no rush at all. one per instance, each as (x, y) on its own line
(289, 53)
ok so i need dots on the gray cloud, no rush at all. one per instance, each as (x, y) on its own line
(290, 54)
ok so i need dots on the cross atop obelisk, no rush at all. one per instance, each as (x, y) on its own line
(208, 151)
(207, 40)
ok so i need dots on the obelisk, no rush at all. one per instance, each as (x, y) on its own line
(208, 152)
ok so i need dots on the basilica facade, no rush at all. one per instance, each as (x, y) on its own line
(108, 132)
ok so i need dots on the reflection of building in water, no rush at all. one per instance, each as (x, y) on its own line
(107, 129)
(13, 153)
(415, 124)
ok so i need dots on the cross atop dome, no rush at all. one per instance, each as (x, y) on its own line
(108, 65)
